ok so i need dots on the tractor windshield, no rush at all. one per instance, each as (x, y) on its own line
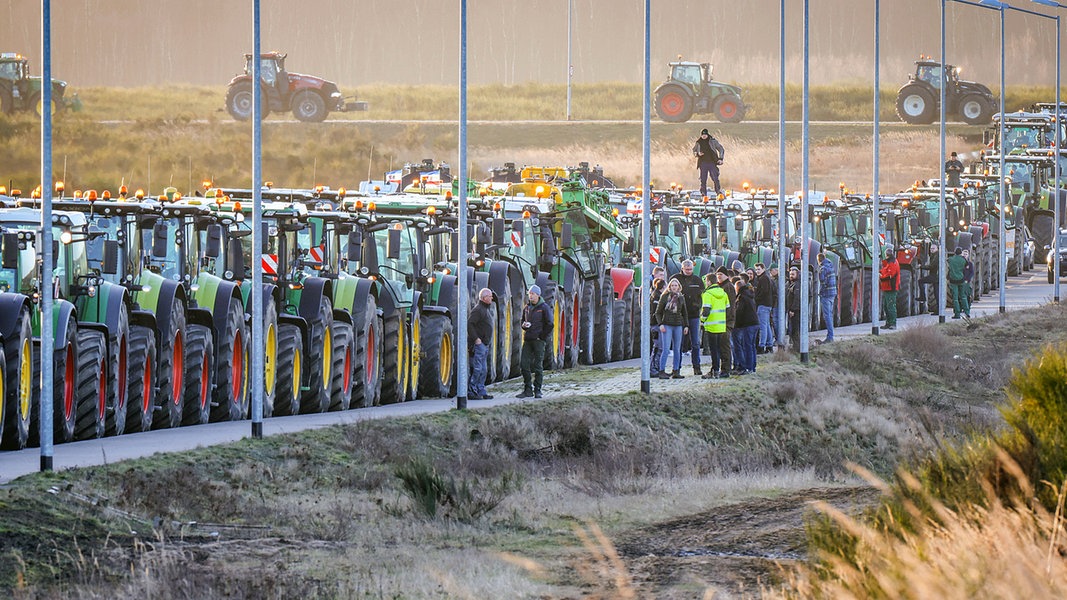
(930, 74)
(687, 73)
(13, 70)
(23, 278)
(1020, 137)
(398, 270)
(268, 69)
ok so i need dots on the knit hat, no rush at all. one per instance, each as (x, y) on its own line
(959, 250)
(704, 132)
(535, 290)
(723, 271)
(773, 266)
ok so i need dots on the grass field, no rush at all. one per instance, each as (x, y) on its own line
(532, 498)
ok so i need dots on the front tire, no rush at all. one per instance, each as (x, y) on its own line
(199, 367)
(140, 397)
(18, 388)
(171, 392)
(309, 107)
(344, 353)
(438, 356)
(92, 385)
(729, 109)
(118, 375)
(320, 361)
(290, 370)
(239, 102)
(975, 110)
(231, 373)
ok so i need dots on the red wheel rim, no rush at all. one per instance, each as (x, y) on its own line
(101, 390)
(671, 104)
(68, 384)
(575, 321)
(122, 374)
(146, 386)
(178, 370)
(372, 359)
(728, 109)
(237, 370)
(205, 370)
(346, 381)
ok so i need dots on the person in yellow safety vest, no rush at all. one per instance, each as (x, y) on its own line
(713, 318)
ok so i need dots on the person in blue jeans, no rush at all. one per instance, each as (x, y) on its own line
(746, 328)
(479, 336)
(674, 323)
(659, 286)
(765, 291)
(693, 292)
(827, 294)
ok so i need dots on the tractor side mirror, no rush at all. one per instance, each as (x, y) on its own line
(159, 240)
(861, 226)
(967, 214)
(739, 224)
(566, 235)
(11, 251)
(355, 244)
(768, 229)
(498, 232)
(679, 229)
(722, 224)
(453, 247)
(839, 226)
(696, 249)
(392, 245)
(370, 256)
(236, 258)
(913, 225)
(953, 217)
(629, 246)
(55, 253)
(664, 226)
(110, 264)
(519, 227)
(924, 219)
(213, 245)
(891, 223)
(702, 231)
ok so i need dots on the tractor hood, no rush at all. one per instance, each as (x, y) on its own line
(299, 81)
(975, 88)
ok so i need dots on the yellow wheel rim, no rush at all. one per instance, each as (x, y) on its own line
(296, 380)
(557, 327)
(327, 357)
(271, 360)
(416, 351)
(445, 353)
(25, 378)
(507, 331)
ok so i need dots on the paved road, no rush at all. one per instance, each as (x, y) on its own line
(1022, 292)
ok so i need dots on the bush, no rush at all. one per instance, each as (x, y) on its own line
(464, 500)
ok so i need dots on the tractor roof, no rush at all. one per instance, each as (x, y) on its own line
(273, 55)
(932, 63)
(12, 57)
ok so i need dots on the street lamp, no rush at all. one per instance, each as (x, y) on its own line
(1059, 144)
(782, 229)
(876, 255)
(805, 238)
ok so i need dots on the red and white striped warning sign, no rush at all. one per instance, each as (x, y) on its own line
(316, 253)
(270, 264)
(516, 239)
(654, 254)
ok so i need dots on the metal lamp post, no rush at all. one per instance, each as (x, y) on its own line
(783, 229)
(805, 237)
(645, 245)
(462, 290)
(876, 255)
(47, 342)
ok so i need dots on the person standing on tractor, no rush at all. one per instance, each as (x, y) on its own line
(479, 335)
(537, 328)
(953, 168)
(692, 290)
(888, 284)
(709, 154)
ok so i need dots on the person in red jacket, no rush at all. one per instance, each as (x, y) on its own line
(888, 284)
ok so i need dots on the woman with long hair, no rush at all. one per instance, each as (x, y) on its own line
(673, 325)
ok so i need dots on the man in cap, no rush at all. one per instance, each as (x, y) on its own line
(709, 154)
(537, 330)
(953, 168)
(888, 284)
(479, 336)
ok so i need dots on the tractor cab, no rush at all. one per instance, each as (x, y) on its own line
(13, 67)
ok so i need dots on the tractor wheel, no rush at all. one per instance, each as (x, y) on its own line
(411, 385)
(270, 359)
(629, 327)
(728, 108)
(438, 356)
(618, 332)
(394, 359)
(505, 320)
(605, 321)
(17, 382)
(367, 372)
(64, 384)
(905, 294)
(38, 105)
(635, 318)
(344, 353)
(199, 367)
(552, 294)
(572, 313)
(91, 388)
(916, 105)
(975, 110)
(309, 107)
(845, 300)
(118, 375)
(587, 323)
(171, 372)
(674, 105)
(239, 102)
(518, 301)
(231, 367)
(141, 381)
(320, 361)
(290, 370)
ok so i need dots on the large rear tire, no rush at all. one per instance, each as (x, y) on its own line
(438, 356)
(975, 109)
(605, 321)
(845, 300)
(368, 359)
(92, 385)
(320, 361)
(231, 367)
(587, 323)
(394, 347)
(290, 370)
(674, 105)
(17, 380)
(140, 397)
(344, 353)
(905, 295)
(171, 372)
(239, 102)
(916, 105)
(505, 322)
(118, 375)
(199, 368)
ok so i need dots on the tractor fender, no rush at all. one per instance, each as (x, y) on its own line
(498, 276)
(342, 315)
(907, 255)
(388, 304)
(314, 290)
(447, 283)
(117, 296)
(143, 318)
(621, 279)
(220, 306)
(169, 293)
(671, 86)
(362, 291)
(195, 315)
(64, 313)
(436, 310)
(570, 276)
(11, 306)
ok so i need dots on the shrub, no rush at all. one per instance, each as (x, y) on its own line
(464, 500)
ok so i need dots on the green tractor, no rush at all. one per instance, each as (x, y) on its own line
(17, 356)
(918, 99)
(19, 91)
(690, 89)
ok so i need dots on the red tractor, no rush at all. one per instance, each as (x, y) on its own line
(310, 98)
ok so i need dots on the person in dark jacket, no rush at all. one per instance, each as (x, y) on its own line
(659, 286)
(693, 290)
(764, 302)
(709, 154)
(773, 272)
(479, 336)
(537, 330)
(726, 341)
(889, 284)
(673, 316)
(957, 283)
(746, 328)
(792, 307)
(953, 168)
